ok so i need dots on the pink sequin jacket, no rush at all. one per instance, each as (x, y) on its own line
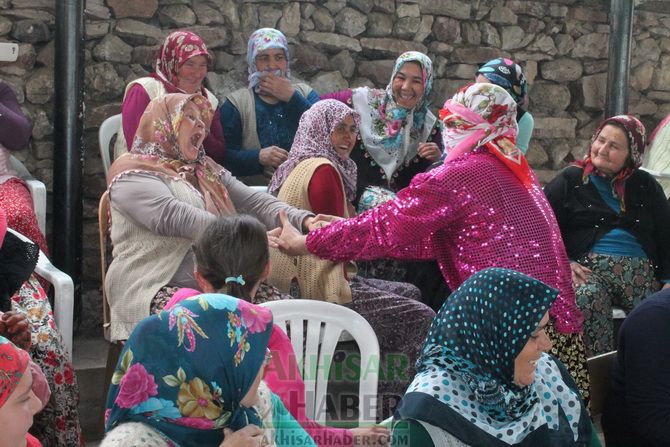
(468, 214)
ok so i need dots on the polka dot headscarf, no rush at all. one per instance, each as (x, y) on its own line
(467, 362)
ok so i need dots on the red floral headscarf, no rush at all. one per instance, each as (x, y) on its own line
(637, 139)
(178, 47)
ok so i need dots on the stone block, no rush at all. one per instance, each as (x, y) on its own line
(387, 6)
(207, 14)
(42, 127)
(660, 31)
(361, 82)
(379, 72)
(471, 33)
(213, 36)
(523, 56)
(502, 16)
(536, 155)
(564, 44)
(331, 81)
(289, 24)
(96, 9)
(379, 24)
(548, 98)
(31, 31)
(406, 27)
(477, 55)
(530, 8)
(594, 46)
(330, 41)
(424, 28)
(595, 66)
(561, 70)
(334, 6)
(543, 44)
(43, 150)
(594, 91)
(268, 16)
(445, 88)
(587, 14)
(642, 107)
(457, 9)
(145, 55)
(389, 47)
(462, 71)
(531, 25)
(309, 60)
(645, 50)
(661, 79)
(97, 114)
(446, 29)
(306, 25)
(249, 15)
(124, 8)
(350, 22)
(138, 33)
(324, 22)
(113, 49)
(96, 30)
(490, 35)
(530, 70)
(230, 14)
(103, 82)
(549, 127)
(659, 96)
(344, 63)
(40, 86)
(514, 37)
(364, 6)
(5, 26)
(642, 75)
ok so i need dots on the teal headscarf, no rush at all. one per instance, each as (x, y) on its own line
(185, 371)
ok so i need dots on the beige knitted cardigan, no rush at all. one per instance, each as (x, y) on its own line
(317, 278)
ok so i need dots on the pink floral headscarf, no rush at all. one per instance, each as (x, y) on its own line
(483, 115)
(313, 140)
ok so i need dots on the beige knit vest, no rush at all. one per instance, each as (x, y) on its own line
(154, 89)
(317, 278)
(143, 262)
(244, 102)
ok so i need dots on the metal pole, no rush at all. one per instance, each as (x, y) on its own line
(68, 147)
(621, 35)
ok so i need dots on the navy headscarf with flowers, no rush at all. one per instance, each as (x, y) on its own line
(185, 371)
(465, 375)
(636, 134)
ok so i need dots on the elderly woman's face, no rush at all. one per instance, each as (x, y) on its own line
(408, 85)
(343, 137)
(191, 132)
(525, 363)
(610, 151)
(191, 74)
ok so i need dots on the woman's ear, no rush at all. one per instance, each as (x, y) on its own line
(266, 271)
(204, 285)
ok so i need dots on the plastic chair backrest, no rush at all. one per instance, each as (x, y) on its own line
(64, 294)
(108, 129)
(600, 372)
(38, 192)
(315, 345)
(103, 232)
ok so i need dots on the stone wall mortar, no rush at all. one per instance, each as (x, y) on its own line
(562, 45)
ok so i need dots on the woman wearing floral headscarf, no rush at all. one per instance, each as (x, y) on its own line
(181, 67)
(319, 176)
(614, 220)
(509, 75)
(187, 374)
(484, 378)
(482, 208)
(260, 121)
(162, 194)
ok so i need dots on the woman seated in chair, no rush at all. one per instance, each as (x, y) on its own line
(614, 221)
(482, 208)
(15, 199)
(232, 257)
(191, 376)
(319, 176)
(260, 120)
(162, 194)
(27, 319)
(181, 67)
(484, 376)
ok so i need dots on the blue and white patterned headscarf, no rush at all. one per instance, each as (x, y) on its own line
(465, 380)
(261, 40)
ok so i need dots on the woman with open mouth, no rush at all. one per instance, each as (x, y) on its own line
(484, 378)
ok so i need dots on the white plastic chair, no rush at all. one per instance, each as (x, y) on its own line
(64, 294)
(108, 129)
(38, 192)
(314, 354)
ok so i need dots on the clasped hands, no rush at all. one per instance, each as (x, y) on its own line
(290, 240)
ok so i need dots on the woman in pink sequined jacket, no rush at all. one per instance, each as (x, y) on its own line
(482, 208)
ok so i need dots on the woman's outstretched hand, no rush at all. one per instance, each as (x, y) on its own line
(289, 240)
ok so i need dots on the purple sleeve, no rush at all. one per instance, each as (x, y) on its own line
(215, 143)
(342, 96)
(15, 129)
(134, 105)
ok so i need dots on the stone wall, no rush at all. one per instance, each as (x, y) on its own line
(562, 44)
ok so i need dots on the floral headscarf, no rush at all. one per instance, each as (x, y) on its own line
(13, 365)
(261, 40)
(313, 140)
(179, 46)
(391, 133)
(185, 371)
(508, 75)
(637, 139)
(465, 380)
(483, 115)
(156, 150)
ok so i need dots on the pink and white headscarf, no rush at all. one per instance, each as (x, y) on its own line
(313, 140)
(264, 39)
(483, 115)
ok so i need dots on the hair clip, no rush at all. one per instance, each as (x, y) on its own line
(237, 279)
